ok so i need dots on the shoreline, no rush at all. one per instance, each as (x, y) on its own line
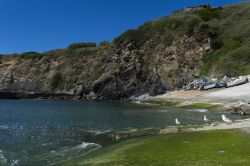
(170, 140)
(237, 124)
(218, 95)
(137, 133)
(234, 100)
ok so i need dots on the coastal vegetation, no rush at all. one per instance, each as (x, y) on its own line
(57, 82)
(200, 105)
(178, 103)
(221, 147)
(82, 45)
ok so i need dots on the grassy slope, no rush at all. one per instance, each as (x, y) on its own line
(223, 147)
(232, 29)
(228, 29)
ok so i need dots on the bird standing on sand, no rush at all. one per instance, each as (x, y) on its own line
(177, 122)
(225, 119)
(206, 120)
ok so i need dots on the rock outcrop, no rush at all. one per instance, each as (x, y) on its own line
(241, 108)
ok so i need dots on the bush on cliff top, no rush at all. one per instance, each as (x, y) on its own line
(82, 45)
(207, 14)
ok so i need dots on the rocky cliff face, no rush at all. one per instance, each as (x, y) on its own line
(105, 73)
(160, 55)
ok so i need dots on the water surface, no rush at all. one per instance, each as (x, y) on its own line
(44, 132)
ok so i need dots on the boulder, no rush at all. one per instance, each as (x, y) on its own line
(240, 107)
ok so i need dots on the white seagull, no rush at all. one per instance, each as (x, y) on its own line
(225, 119)
(177, 122)
(206, 120)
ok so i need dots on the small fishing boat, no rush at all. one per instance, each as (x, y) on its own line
(209, 85)
(237, 82)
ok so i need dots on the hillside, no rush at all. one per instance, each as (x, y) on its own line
(158, 56)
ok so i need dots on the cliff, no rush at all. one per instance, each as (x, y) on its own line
(158, 56)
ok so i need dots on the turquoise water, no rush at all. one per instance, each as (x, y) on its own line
(44, 132)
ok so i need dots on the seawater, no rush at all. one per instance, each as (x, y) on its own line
(47, 132)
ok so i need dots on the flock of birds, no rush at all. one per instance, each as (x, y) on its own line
(206, 120)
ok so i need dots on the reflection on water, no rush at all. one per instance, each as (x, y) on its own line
(44, 132)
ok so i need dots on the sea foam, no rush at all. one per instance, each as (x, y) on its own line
(198, 110)
(85, 145)
(3, 127)
(3, 160)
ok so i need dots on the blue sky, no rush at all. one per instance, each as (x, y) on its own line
(41, 25)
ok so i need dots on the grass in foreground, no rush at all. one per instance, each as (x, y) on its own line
(200, 105)
(223, 147)
(181, 104)
(163, 102)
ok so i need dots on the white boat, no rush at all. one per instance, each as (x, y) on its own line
(237, 82)
(209, 86)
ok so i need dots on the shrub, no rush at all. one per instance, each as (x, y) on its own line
(161, 25)
(203, 28)
(176, 21)
(216, 43)
(168, 38)
(57, 52)
(57, 82)
(68, 85)
(137, 36)
(207, 14)
(104, 43)
(129, 36)
(241, 54)
(232, 43)
(193, 21)
(82, 45)
(31, 55)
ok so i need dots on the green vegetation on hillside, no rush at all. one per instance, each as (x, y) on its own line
(227, 27)
(208, 14)
(82, 45)
(232, 30)
(224, 147)
(58, 82)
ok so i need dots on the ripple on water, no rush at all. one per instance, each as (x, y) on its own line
(71, 152)
(4, 127)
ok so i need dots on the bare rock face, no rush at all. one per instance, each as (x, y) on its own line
(151, 69)
(242, 108)
(111, 73)
(181, 62)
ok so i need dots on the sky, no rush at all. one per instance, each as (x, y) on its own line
(42, 25)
